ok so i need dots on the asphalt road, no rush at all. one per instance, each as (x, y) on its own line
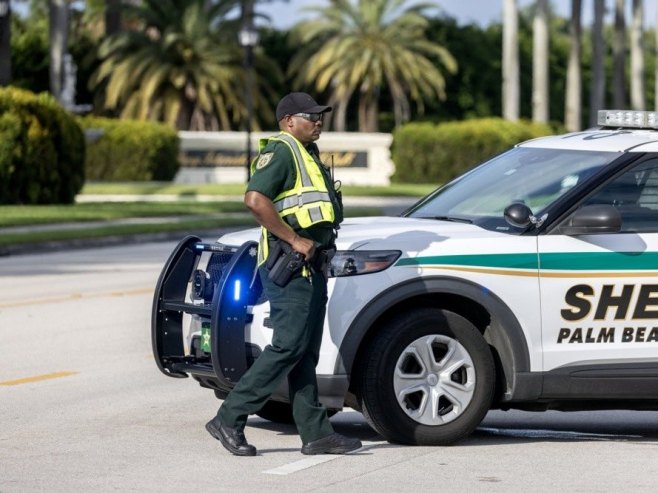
(84, 408)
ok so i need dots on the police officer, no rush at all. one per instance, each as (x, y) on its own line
(291, 195)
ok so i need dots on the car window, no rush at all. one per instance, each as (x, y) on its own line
(635, 195)
(533, 176)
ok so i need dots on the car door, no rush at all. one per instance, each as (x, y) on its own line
(599, 292)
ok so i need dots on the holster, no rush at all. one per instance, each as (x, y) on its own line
(322, 260)
(283, 263)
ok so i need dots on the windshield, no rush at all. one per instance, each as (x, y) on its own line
(532, 176)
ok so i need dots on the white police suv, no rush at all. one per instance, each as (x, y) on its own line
(529, 282)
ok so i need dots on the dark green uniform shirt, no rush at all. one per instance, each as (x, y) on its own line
(276, 172)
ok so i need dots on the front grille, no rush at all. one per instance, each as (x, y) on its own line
(217, 266)
(217, 272)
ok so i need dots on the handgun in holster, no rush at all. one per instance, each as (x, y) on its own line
(322, 260)
(283, 263)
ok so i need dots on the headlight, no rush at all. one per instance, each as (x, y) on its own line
(354, 263)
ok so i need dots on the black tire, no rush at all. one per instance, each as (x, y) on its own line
(281, 412)
(437, 407)
(277, 412)
(221, 394)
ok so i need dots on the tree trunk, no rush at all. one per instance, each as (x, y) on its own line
(112, 17)
(638, 101)
(655, 104)
(597, 92)
(572, 109)
(511, 78)
(540, 94)
(619, 58)
(339, 117)
(5, 42)
(58, 36)
(184, 118)
(373, 115)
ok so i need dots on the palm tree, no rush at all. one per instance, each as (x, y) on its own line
(511, 77)
(58, 11)
(178, 68)
(597, 92)
(637, 58)
(367, 46)
(5, 39)
(540, 98)
(572, 111)
(619, 57)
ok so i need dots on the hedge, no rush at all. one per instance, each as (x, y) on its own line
(130, 150)
(436, 153)
(42, 150)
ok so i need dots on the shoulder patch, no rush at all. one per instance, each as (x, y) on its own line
(264, 160)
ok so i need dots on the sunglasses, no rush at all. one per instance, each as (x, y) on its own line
(311, 117)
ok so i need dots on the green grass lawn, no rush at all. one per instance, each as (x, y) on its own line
(214, 219)
(24, 215)
(203, 214)
(166, 188)
(7, 239)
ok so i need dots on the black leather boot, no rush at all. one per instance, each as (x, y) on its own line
(331, 444)
(233, 440)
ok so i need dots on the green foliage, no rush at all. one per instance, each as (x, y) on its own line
(474, 90)
(42, 150)
(181, 65)
(427, 152)
(355, 48)
(129, 150)
(29, 54)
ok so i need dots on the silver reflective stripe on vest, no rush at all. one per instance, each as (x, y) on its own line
(301, 164)
(300, 200)
(316, 214)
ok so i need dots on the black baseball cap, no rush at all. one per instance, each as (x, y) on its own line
(298, 102)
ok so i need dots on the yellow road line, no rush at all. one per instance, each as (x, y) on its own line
(77, 296)
(39, 378)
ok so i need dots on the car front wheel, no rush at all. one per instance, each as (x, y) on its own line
(427, 378)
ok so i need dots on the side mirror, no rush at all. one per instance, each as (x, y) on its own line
(592, 219)
(518, 215)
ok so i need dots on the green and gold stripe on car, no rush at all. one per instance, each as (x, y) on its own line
(576, 264)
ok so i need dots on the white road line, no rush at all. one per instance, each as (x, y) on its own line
(300, 465)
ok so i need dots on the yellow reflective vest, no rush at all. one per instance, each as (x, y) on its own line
(308, 202)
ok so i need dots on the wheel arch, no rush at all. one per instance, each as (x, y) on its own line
(485, 310)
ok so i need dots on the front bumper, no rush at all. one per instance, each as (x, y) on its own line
(225, 312)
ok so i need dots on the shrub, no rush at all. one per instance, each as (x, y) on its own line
(42, 150)
(436, 153)
(129, 150)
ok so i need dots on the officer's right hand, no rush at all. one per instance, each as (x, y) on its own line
(304, 246)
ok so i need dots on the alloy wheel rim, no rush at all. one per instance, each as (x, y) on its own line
(434, 380)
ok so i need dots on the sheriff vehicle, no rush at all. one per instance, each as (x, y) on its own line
(529, 282)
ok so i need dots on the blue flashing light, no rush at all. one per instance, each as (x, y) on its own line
(236, 290)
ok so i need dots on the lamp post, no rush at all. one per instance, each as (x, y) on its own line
(248, 37)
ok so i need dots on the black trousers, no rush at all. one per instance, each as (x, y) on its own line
(297, 313)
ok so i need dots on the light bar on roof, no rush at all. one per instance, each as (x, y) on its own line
(628, 119)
